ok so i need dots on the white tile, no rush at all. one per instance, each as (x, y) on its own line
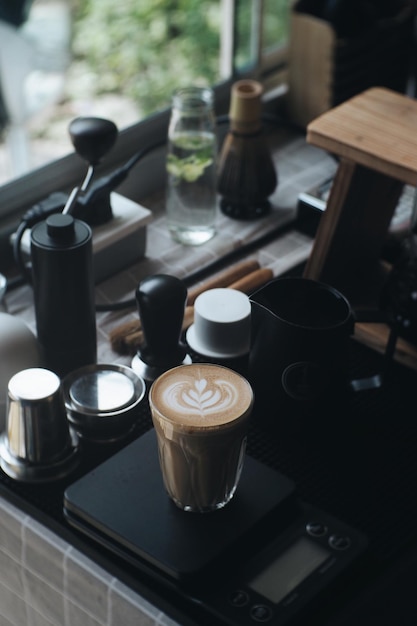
(45, 599)
(43, 553)
(11, 521)
(76, 616)
(12, 608)
(86, 584)
(36, 619)
(129, 608)
(11, 573)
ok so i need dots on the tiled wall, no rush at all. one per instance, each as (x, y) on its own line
(46, 582)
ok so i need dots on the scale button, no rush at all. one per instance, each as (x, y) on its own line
(339, 542)
(261, 613)
(238, 598)
(316, 529)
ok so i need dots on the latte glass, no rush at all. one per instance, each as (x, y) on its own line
(201, 414)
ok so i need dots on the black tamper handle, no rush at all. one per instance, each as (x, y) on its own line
(161, 301)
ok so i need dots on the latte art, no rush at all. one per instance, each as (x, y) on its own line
(199, 396)
(202, 395)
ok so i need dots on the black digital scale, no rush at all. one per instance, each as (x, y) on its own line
(260, 559)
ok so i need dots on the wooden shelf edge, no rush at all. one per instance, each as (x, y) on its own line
(375, 336)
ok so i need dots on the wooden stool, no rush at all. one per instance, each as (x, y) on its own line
(375, 136)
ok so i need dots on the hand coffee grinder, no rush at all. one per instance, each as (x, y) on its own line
(62, 265)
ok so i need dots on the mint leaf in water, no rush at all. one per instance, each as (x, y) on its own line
(189, 169)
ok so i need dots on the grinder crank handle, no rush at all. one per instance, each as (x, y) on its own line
(161, 301)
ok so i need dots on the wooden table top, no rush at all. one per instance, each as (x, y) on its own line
(376, 129)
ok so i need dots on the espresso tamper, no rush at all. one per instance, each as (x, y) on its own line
(161, 301)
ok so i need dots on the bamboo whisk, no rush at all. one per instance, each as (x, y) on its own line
(246, 172)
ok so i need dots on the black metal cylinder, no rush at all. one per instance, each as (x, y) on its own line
(63, 286)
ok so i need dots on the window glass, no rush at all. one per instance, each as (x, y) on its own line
(60, 59)
(262, 28)
(245, 36)
(275, 25)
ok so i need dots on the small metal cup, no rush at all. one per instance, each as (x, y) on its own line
(37, 443)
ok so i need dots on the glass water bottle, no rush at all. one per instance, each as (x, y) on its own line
(191, 167)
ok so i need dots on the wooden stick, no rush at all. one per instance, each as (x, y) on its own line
(226, 278)
(247, 285)
(119, 335)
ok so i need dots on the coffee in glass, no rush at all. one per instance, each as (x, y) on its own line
(201, 414)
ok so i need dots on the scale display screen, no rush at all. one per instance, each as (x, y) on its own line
(286, 572)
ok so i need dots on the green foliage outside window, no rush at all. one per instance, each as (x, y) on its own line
(148, 48)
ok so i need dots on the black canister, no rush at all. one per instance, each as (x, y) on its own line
(63, 285)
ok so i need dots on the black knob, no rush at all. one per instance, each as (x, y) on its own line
(60, 227)
(92, 137)
(161, 301)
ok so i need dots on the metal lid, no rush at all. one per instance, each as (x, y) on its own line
(102, 391)
(102, 400)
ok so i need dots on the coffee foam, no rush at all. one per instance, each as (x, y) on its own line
(201, 395)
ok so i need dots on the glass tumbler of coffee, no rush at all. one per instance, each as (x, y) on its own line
(201, 415)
